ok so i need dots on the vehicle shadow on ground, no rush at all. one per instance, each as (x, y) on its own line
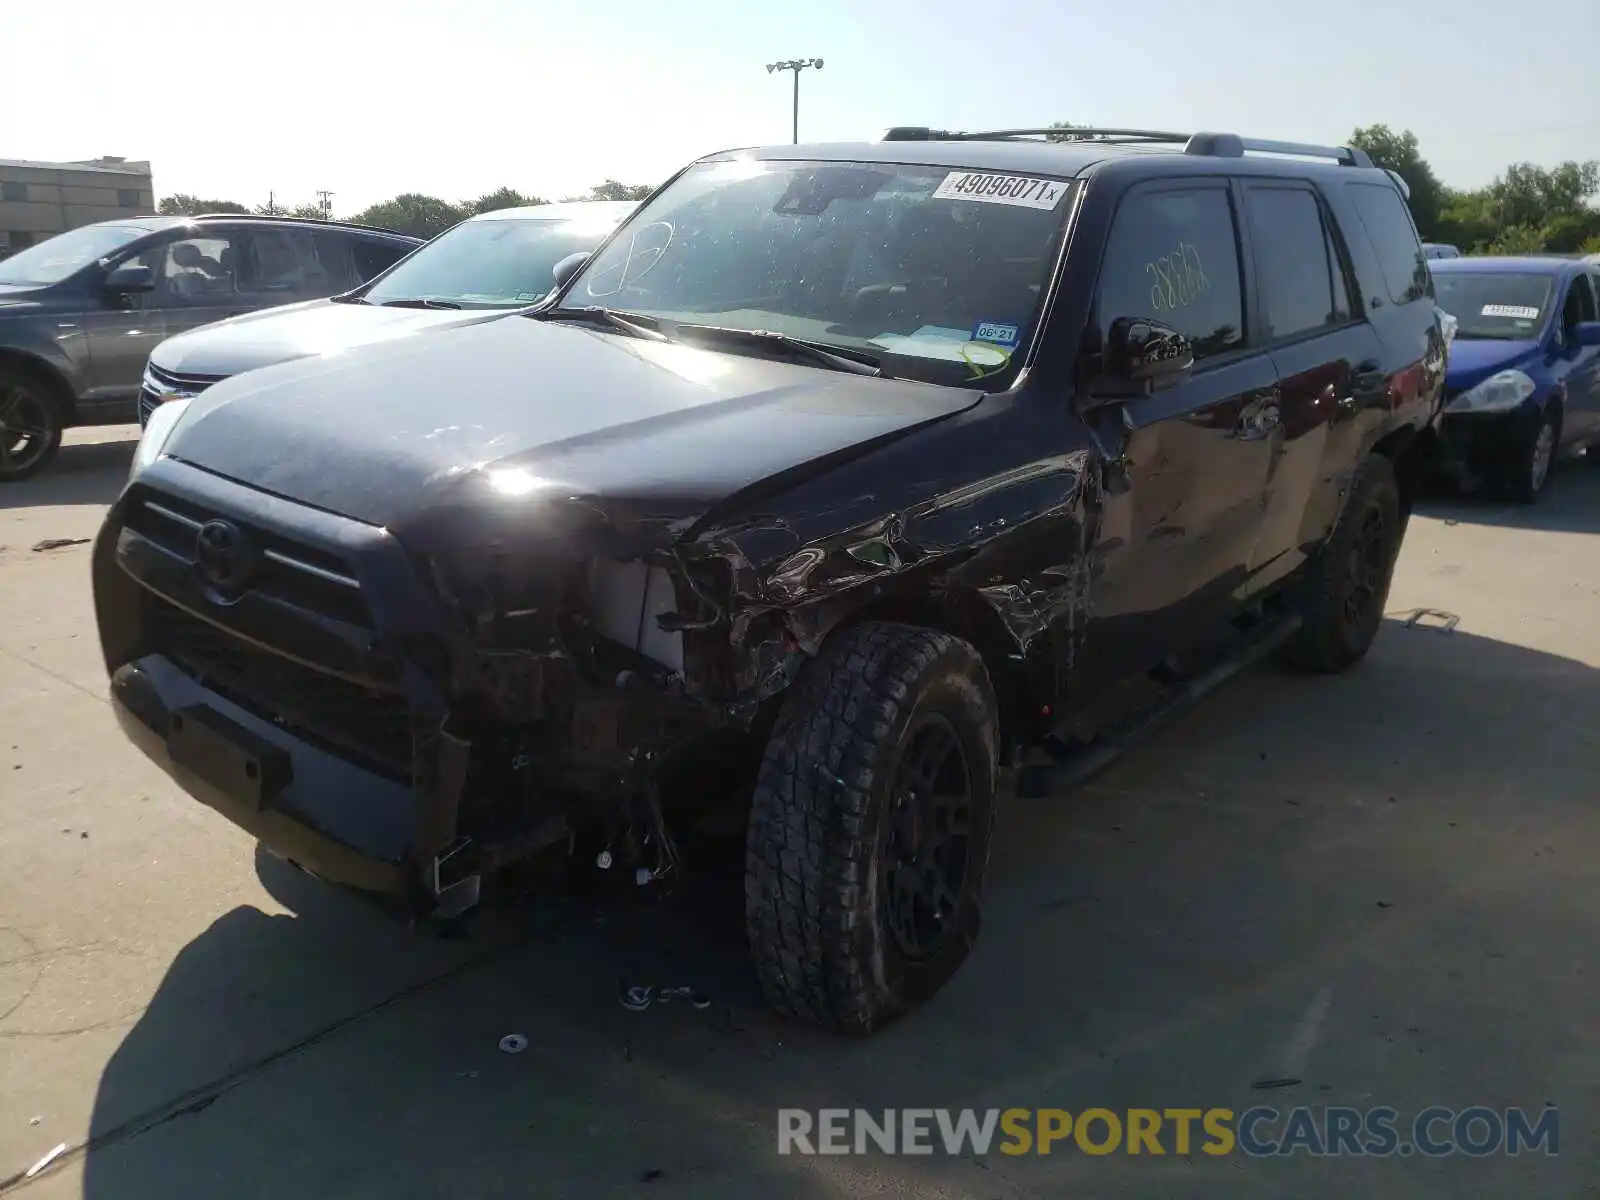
(1387, 844)
(1570, 504)
(91, 473)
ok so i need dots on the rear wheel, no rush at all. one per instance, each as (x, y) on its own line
(30, 425)
(870, 827)
(1347, 584)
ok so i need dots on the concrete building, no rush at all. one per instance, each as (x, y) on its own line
(41, 199)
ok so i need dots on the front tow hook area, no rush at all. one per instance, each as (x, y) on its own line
(338, 821)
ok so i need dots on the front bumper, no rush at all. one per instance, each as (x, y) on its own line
(323, 705)
(339, 822)
(284, 709)
(1476, 444)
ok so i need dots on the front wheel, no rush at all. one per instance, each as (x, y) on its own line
(30, 426)
(1528, 461)
(869, 832)
(1347, 584)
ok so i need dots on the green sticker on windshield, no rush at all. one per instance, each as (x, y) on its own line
(985, 358)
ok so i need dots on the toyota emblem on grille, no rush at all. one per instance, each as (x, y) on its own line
(224, 554)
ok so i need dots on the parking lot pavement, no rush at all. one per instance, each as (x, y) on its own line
(1382, 886)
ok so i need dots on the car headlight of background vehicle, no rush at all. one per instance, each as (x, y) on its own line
(1498, 393)
(163, 421)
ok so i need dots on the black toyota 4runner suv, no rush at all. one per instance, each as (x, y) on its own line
(890, 465)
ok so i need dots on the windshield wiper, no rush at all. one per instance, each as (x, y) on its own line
(857, 362)
(419, 302)
(633, 324)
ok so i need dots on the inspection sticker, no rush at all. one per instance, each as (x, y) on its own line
(1516, 312)
(1019, 190)
(997, 333)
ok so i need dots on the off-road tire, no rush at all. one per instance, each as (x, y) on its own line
(42, 399)
(815, 852)
(1517, 479)
(1331, 638)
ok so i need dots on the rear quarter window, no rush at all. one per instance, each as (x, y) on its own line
(1388, 226)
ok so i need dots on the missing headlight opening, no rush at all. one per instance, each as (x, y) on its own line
(578, 686)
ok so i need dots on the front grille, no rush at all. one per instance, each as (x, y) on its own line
(158, 383)
(369, 726)
(304, 576)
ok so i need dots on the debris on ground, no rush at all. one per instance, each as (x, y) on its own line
(59, 543)
(638, 997)
(45, 1161)
(1266, 1085)
(1429, 618)
(513, 1043)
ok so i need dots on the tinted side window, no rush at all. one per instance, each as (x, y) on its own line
(334, 251)
(1294, 264)
(284, 266)
(1580, 303)
(1387, 222)
(373, 256)
(1173, 257)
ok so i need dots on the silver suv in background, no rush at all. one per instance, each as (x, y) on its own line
(80, 312)
(482, 268)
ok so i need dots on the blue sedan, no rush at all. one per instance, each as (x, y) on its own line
(1523, 386)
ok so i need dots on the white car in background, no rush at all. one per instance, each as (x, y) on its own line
(478, 270)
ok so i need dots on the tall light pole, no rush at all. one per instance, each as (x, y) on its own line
(796, 65)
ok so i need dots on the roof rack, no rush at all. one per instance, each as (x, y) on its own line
(233, 216)
(1220, 145)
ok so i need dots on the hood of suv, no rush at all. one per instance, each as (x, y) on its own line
(275, 335)
(510, 410)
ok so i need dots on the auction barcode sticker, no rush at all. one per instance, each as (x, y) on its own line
(1021, 190)
(1516, 312)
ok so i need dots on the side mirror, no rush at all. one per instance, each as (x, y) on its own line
(569, 266)
(1141, 357)
(1586, 334)
(130, 278)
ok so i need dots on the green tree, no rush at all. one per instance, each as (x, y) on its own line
(1398, 152)
(308, 212)
(184, 205)
(413, 214)
(1067, 133)
(1528, 209)
(499, 198)
(612, 190)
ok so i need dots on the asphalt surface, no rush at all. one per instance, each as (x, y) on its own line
(1383, 887)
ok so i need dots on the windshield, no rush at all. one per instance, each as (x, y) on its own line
(1493, 305)
(490, 263)
(938, 272)
(54, 259)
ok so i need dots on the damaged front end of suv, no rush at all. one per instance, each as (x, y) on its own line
(543, 588)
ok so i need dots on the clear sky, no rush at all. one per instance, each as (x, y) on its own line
(369, 98)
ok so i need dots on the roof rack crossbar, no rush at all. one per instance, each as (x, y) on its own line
(918, 133)
(333, 222)
(1231, 145)
(1224, 145)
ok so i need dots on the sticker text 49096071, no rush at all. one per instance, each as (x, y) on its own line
(1022, 191)
(1177, 279)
